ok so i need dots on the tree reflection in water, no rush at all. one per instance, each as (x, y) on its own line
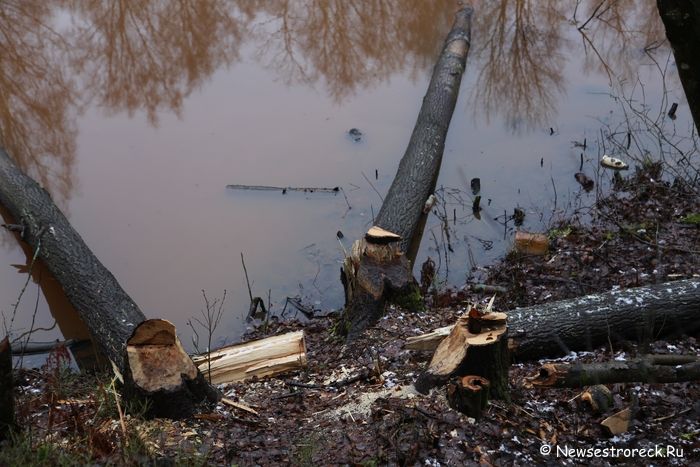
(151, 54)
(139, 55)
(37, 97)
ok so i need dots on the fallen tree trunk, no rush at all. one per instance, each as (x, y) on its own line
(404, 210)
(682, 22)
(584, 323)
(7, 398)
(264, 357)
(108, 312)
(641, 370)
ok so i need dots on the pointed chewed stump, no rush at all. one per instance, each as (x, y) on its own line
(161, 374)
(477, 345)
(469, 395)
(375, 272)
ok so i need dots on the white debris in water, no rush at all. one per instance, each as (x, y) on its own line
(671, 347)
(622, 357)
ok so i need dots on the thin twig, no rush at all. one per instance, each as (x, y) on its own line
(245, 270)
(373, 187)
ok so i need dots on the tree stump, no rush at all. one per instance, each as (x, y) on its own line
(477, 345)
(407, 204)
(161, 374)
(469, 395)
(374, 272)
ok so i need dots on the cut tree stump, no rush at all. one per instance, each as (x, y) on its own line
(7, 398)
(264, 357)
(469, 395)
(585, 323)
(370, 279)
(160, 372)
(468, 351)
(649, 369)
(109, 313)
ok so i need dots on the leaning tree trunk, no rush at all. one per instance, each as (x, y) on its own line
(404, 210)
(682, 22)
(584, 323)
(109, 313)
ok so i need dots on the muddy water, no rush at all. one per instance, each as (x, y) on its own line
(136, 115)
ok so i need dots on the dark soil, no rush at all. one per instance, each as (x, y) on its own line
(354, 404)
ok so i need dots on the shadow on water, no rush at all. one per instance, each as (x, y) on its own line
(61, 59)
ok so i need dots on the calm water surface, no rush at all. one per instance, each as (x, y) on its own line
(135, 115)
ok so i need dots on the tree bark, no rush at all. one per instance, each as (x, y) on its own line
(108, 312)
(682, 22)
(640, 370)
(404, 211)
(469, 395)
(584, 323)
(7, 398)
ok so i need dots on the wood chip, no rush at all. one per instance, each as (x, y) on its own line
(238, 405)
(618, 423)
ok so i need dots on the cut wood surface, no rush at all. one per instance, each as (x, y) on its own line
(263, 357)
(464, 353)
(403, 212)
(618, 423)
(666, 369)
(428, 341)
(162, 373)
(584, 323)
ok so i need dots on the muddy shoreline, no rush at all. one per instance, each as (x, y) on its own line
(643, 232)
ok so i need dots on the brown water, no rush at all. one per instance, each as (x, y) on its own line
(135, 115)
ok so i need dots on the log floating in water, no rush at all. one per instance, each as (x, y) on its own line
(649, 369)
(403, 209)
(263, 357)
(285, 189)
(33, 348)
(584, 323)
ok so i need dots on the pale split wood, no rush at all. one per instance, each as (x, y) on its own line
(238, 405)
(264, 357)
